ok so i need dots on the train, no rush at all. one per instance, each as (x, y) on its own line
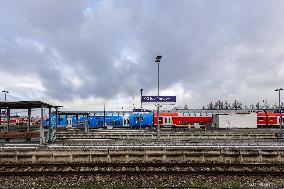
(269, 119)
(134, 120)
(18, 120)
(171, 119)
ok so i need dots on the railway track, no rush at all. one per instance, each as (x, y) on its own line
(142, 168)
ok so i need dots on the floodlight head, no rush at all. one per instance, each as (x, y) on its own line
(158, 58)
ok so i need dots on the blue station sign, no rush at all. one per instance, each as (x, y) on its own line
(160, 99)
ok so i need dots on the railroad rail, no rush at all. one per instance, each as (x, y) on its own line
(142, 168)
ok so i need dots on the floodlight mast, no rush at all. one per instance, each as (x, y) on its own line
(279, 106)
(158, 60)
(5, 91)
(141, 91)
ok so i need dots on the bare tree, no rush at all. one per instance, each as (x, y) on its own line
(210, 106)
(257, 105)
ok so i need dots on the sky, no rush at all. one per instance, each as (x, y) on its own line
(82, 53)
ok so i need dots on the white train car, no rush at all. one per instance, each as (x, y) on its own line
(235, 120)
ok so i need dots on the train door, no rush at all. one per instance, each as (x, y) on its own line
(69, 122)
(126, 121)
(279, 120)
(168, 121)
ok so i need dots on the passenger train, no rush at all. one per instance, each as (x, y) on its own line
(149, 119)
(269, 119)
(135, 119)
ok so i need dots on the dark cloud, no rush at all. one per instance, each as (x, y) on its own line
(102, 49)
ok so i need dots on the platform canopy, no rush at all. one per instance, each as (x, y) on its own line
(25, 105)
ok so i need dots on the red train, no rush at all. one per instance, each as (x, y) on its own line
(190, 120)
(18, 120)
(269, 119)
(203, 120)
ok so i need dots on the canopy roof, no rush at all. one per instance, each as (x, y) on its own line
(25, 105)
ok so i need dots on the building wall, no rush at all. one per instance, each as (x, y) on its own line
(236, 120)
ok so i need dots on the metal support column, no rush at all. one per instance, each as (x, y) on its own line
(66, 120)
(158, 60)
(140, 119)
(56, 121)
(49, 125)
(29, 120)
(8, 119)
(41, 127)
(158, 123)
(104, 115)
(77, 117)
(141, 90)
(28, 135)
(86, 123)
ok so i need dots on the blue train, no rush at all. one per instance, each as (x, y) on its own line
(98, 120)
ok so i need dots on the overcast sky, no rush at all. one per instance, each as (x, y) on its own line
(79, 53)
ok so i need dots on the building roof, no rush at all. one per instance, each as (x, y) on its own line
(25, 105)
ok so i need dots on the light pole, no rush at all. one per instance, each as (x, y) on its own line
(4, 91)
(279, 106)
(141, 90)
(6, 111)
(158, 60)
(104, 114)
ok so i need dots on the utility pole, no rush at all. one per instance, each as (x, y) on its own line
(141, 91)
(279, 106)
(158, 60)
(104, 114)
(6, 111)
(5, 91)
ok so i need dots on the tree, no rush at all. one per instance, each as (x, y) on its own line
(210, 106)
(257, 106)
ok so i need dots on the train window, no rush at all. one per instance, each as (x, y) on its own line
(166, 120)
(260, 119)
(160, 120)
(271, 119)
